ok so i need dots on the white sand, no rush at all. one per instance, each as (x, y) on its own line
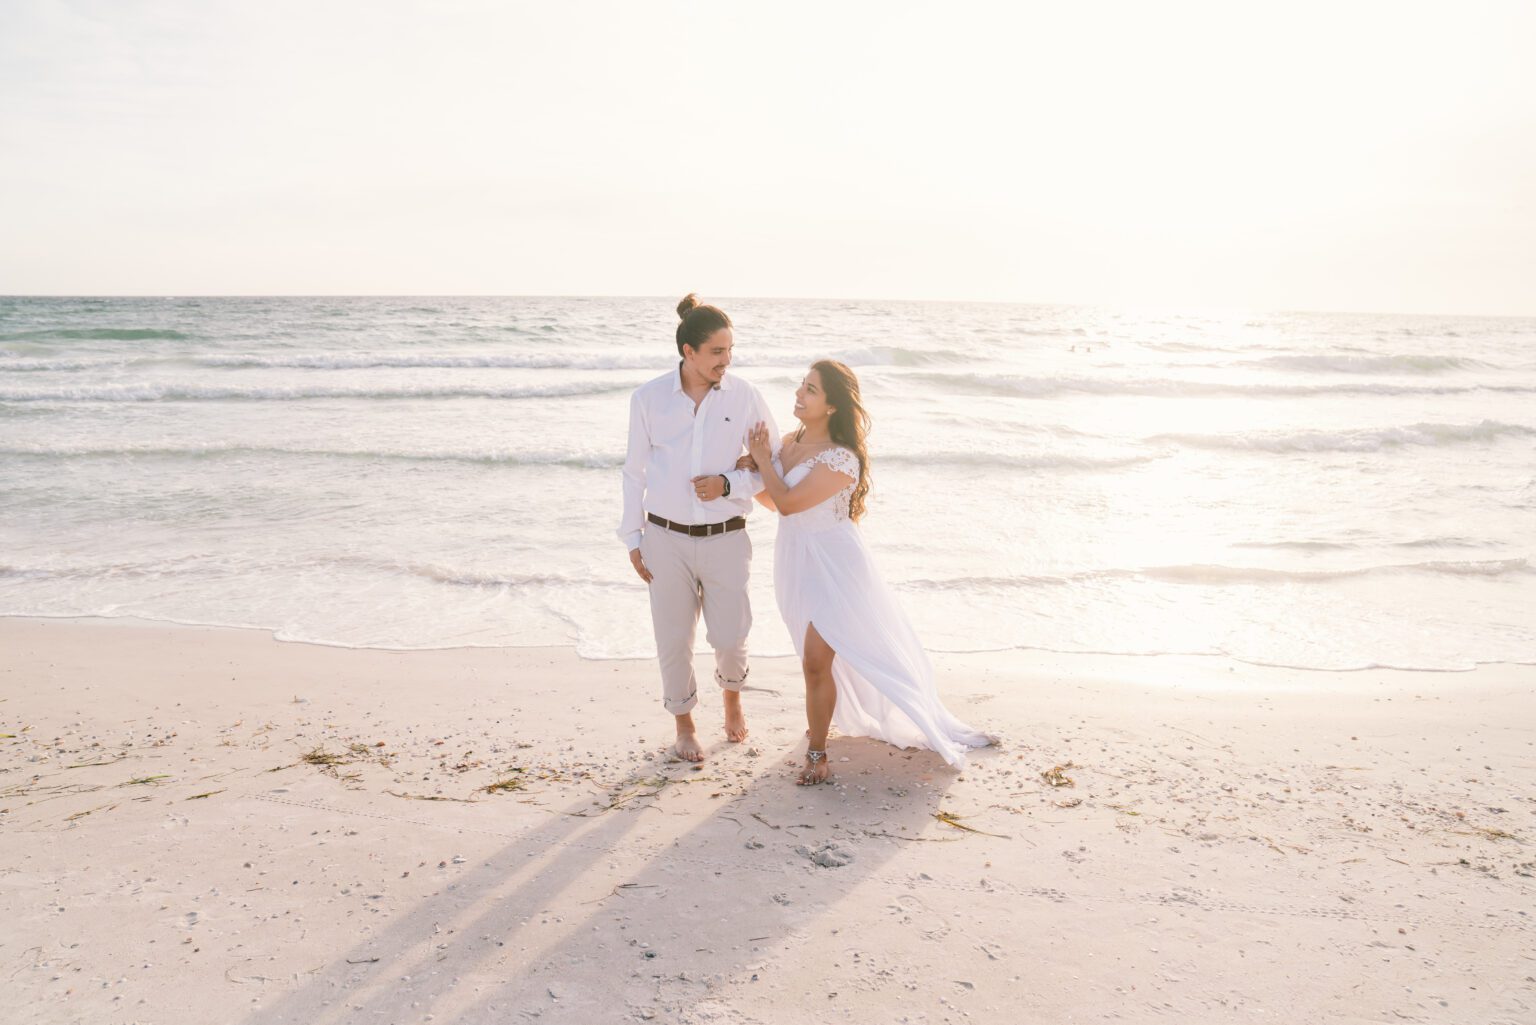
(1240, 844)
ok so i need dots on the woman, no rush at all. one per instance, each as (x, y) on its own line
(865, 669)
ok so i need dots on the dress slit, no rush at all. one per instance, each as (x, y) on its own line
(826, 580)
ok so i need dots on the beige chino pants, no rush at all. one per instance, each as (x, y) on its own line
(689, 574)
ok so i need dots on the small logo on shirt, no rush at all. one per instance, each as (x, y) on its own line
(727, 419)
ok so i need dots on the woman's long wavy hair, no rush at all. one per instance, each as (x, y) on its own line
(849, 425)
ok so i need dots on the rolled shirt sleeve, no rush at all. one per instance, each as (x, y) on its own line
(745, 482)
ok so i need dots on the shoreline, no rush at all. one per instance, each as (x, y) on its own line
(1021, 651)
(207, 824)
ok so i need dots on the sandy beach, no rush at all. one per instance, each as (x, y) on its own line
(207, 825)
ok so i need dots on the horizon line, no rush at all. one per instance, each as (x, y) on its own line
(1186, 308)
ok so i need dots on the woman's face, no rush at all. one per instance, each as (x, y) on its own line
(811, 400)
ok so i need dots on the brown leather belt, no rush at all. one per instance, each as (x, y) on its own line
(699, 529)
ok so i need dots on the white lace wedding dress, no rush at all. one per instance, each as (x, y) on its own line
(823, 574)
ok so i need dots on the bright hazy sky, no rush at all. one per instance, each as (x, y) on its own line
(1344, 155)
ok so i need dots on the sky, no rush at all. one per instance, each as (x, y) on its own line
(1362, 156)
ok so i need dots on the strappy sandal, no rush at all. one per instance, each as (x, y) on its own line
(815, 758)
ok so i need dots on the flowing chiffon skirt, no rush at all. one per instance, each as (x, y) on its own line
(825, 576)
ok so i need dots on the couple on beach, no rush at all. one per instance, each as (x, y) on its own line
(702, 447)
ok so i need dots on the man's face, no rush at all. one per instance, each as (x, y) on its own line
(712, 357)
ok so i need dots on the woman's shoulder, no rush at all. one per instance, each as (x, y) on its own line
(844, 460)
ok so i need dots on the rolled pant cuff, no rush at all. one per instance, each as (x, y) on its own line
(681, 707)
(726, 684)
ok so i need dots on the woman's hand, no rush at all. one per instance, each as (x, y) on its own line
(759, 446)
(747, 463)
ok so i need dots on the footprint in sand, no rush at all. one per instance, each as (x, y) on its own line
(912, 910)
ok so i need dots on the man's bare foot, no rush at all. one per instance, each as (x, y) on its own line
(687, 746)
(816, 770)
(735, 719)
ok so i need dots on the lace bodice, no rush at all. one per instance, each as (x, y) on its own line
(831, 511)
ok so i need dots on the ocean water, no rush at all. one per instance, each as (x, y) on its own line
(1318, 491)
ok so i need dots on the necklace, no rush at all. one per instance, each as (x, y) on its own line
(798, 441)
(800, 437)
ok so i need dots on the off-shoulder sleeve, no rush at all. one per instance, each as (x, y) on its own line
(841, 460)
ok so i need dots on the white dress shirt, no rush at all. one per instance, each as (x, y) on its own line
(670, 443)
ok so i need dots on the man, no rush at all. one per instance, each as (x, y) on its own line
(685, 509)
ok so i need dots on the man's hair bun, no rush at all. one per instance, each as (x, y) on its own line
(696, 322)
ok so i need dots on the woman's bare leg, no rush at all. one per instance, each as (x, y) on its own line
(820, 701)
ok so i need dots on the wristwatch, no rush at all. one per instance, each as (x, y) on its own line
(727, 486)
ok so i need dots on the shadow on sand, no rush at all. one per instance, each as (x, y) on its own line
(650, 908)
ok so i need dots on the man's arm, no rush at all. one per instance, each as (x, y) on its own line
(747, 482)
(636, 458)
